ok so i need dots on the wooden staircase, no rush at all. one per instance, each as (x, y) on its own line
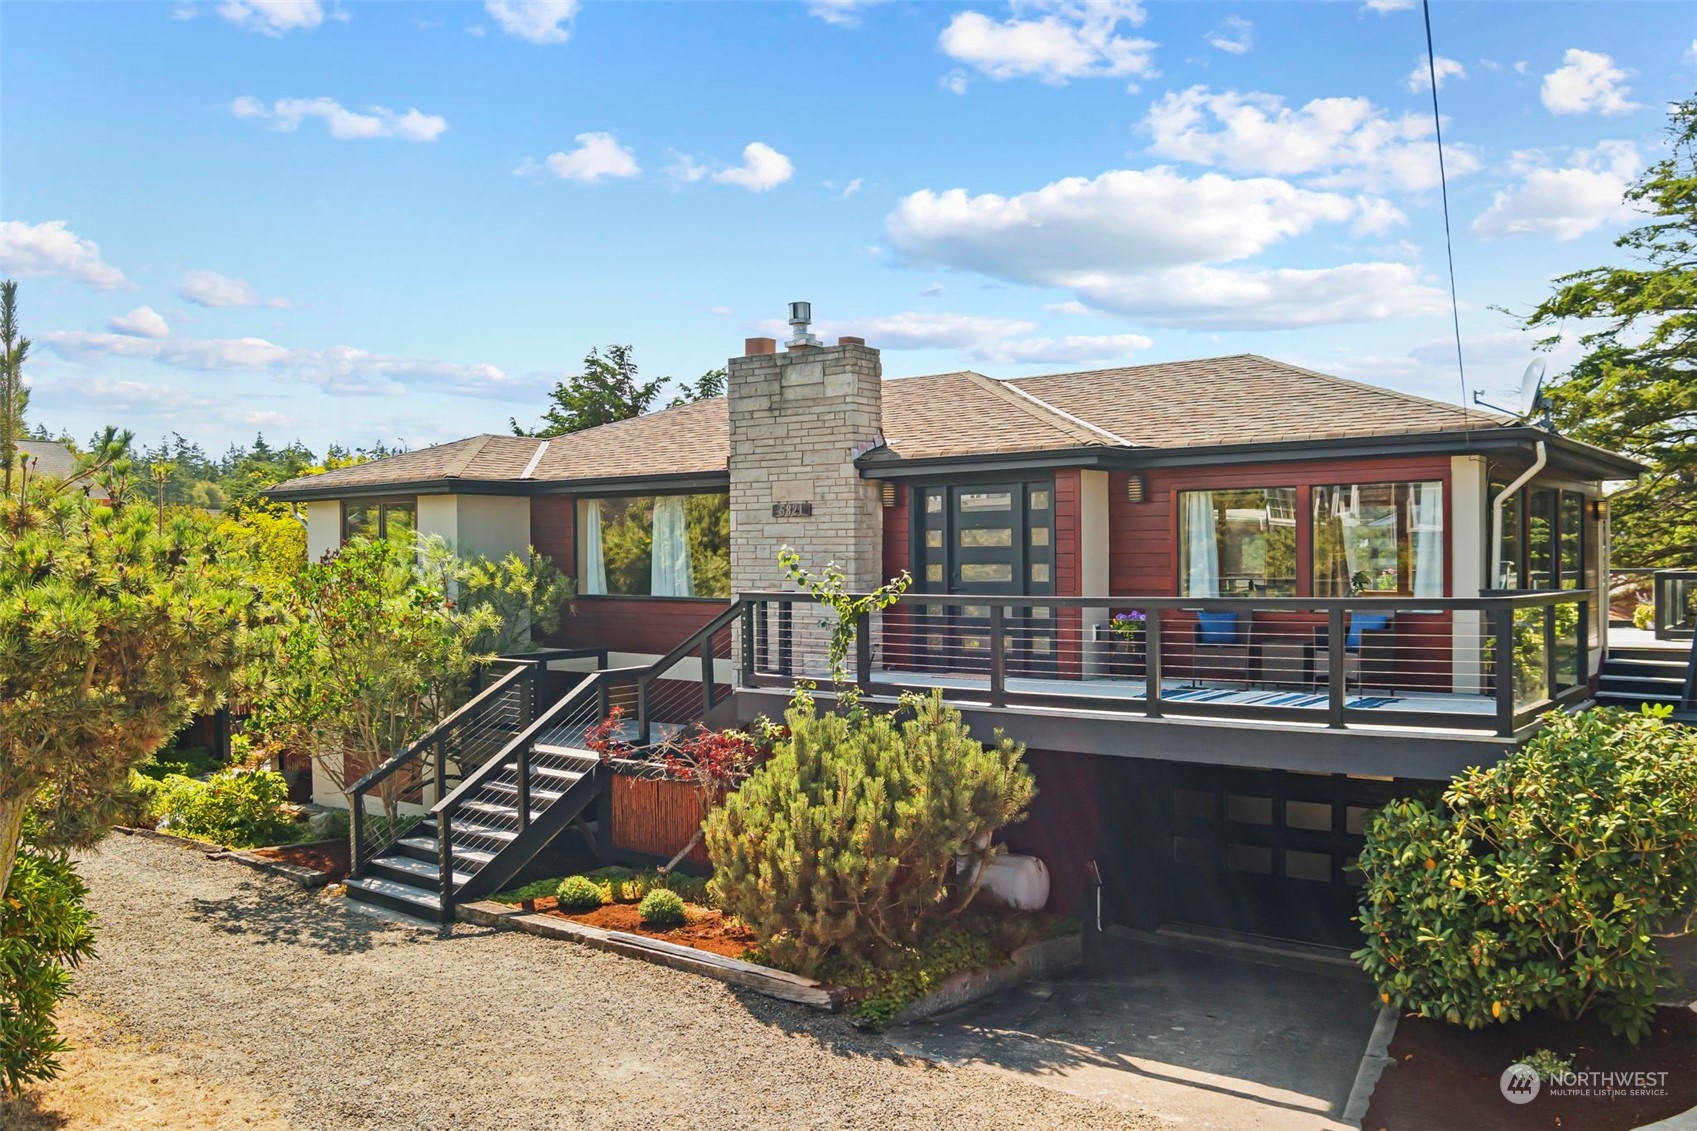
(530, 775)
(1631, 677)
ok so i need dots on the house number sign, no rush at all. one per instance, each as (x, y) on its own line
(792, 510)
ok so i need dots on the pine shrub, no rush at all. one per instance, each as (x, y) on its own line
(661, 908)
(840, 845)
(579, 893)
(44, 933)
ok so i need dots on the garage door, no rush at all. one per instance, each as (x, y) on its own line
(1269, 853)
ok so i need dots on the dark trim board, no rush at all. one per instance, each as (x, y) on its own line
(700, 482)
(1429, 756)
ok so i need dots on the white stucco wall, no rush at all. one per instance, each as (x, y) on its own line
(493, 525)
(323, 528)
(1093, 557)
(1469, 515)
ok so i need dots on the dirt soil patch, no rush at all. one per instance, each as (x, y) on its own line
(320, 856)
(1446, 1077)
(707, 928)
(112, 1081)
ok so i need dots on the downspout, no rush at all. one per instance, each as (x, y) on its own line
(1497, 512)
(295, 513)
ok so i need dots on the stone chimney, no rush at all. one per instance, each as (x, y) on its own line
(798, 420)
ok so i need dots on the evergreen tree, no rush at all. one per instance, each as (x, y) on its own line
(607, 390)
(1635, 391)
(14, 397)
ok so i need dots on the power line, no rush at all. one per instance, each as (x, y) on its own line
(1444, 188)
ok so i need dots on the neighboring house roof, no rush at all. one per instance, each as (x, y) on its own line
(1208, 403)
(48, 458)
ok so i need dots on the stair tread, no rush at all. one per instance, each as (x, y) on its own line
(429, 845)
(487, 832)
(413, 867)
(512, 787)
(396, 890)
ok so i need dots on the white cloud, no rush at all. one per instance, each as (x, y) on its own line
(840, 13)
(1420, 78)
(272, 17)
(597, 157)
(1342, 142)
(762, 168)
(339, 370)
(536, 21)
(209, 288)
(851, 188)
(1124, 220)
(287, 114)
(1376, 216)
(1586, 81)
(1385, 7)
(935, 290)
(917, 330)
(1147, 244)
(1234, 36)
(1690, 55)
(142, 322)
(1563, 203)
(1081, 349)
(1071, 306)
(1265, 299)
(1052, 40)
(29, 251)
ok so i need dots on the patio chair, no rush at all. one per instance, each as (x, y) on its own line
(1220, 648)
(1369, 653)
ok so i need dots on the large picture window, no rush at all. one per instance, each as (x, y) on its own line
(655, 546)
(383, 518)
(1379, 538)
(1237, 543)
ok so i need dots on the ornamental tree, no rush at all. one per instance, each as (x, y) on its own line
(113, 632)
(1541, 882)
(365, 652)
(841, 844)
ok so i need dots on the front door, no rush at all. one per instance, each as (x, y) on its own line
(988, 541)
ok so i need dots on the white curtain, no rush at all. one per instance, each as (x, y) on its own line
(1201, 546)
(594, 580)
(1349, 518)
(671, 576)
(1428, 539)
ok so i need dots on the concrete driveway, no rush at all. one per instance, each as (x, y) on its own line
(1203, 1040)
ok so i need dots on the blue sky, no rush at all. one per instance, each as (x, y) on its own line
(348, 222)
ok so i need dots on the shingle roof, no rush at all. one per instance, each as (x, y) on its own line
(1244, 399)
(48, 458)
(689, 439)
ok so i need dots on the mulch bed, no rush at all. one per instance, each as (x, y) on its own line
(707, 928)
(329, 856)
(1446, 1077)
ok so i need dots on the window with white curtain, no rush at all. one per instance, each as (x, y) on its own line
(1373, 539)
(655, 546)
(1237, 543)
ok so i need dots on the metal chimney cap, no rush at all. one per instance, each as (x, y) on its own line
(801, 315)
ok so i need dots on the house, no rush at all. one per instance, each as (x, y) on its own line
(1327, 595)
(52, 459)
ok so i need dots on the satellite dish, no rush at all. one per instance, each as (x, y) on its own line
(1532, 388)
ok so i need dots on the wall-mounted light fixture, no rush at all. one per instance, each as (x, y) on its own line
(888, 493)
(1134, 488)
(1597, 510)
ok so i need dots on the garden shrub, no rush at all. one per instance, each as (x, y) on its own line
(661, 908)
(187, 761)
(1541, 882)
(578, 893)
(44, 933)
(234, 807)
(1644, 617)
(841, 844)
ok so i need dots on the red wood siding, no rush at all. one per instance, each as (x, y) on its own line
(1063, 827)
(898, 534)
(552, 528)
(653, 625)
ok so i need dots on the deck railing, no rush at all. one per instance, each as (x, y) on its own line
(1489, 664)
(1675, 603)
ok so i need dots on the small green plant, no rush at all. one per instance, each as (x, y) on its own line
(45, 932)
(578, 893)
(661, 908)
(185, 761)
(1644, 617)
(1550, 1066)
(828, 589)
(233, 807)
(533, 890)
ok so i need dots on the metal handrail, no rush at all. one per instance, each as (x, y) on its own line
(1520, 598)
(384, 769)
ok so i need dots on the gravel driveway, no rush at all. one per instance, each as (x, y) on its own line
(361, 1023)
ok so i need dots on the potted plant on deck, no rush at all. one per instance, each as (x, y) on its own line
(1128, 660)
